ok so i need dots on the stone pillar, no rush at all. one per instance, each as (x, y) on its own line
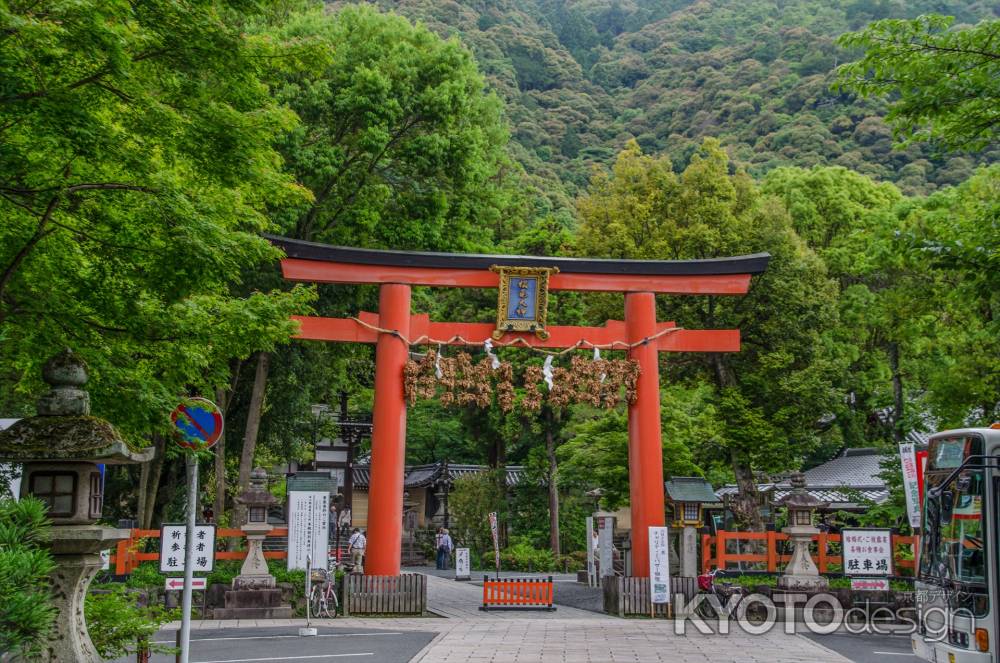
(689, 551)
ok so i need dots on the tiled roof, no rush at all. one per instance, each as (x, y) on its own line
(311, 481)
(417, 476)
(854, 472)
(689, 489)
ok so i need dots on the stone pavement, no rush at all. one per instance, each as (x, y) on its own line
(467, 635)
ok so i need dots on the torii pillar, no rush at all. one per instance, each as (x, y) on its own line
(394, 327)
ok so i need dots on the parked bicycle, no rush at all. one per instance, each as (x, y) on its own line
(323, 595)
(724, 592)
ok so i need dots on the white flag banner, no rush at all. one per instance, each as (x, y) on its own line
(308, 529)
(911, 483)
(462, 571)
(659, 565)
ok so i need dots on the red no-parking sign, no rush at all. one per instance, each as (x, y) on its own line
(197, 423)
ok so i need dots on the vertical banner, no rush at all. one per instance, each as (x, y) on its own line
(606, 543)
(496, 540)
(462, 571)
(911, 484)
(308, 529)
(659, 565)
(921, 470)
(591, 553)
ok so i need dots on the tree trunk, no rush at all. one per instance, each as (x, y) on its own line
(153, 471)
(550, 448)
(219, 507)
(747, 502)
(253, 425)
(897, 392)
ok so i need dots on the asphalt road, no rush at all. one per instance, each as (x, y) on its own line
(272, 645)
(868, 648)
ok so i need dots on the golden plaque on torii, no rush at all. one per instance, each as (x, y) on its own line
(523, 300)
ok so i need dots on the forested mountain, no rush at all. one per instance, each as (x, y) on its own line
(581, 77)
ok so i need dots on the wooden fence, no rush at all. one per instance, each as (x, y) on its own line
(627, 596)
(517, 594)
(127, 556)
(385, 595)
(717, 551)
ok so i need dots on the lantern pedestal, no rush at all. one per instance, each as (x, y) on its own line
(801, 573)
(254, 594)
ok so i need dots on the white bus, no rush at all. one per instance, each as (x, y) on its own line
(957, 590)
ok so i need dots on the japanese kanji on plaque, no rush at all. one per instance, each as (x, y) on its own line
(172, 544)
(867, 552)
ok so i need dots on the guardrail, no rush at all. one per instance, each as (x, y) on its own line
(404, 594)
(626, 596)
(715, 550)
(517, 594)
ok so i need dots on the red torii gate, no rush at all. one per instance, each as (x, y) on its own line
(397, 271)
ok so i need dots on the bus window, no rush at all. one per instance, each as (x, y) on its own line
(954, 545)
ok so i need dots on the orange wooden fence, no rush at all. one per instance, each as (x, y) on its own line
(715, 550)
(127, 556)
(514, 593)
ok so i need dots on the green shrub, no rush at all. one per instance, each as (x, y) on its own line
(145, 576)
(522, 557)
(26, 611)
(120, 622)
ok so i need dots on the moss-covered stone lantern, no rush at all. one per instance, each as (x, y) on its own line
(60, 450)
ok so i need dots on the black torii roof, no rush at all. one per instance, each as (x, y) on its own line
(295, 248)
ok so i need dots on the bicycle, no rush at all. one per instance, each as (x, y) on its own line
(322, 595)
(723, 592)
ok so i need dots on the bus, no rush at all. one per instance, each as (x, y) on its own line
(958, 579)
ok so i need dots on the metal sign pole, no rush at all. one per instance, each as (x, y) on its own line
(192, 510)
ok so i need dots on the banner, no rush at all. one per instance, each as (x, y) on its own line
(496, 541)
(606, 544)
(659, 565)
(308, 529)
(462, 571)
(911, 483)
(591, 553)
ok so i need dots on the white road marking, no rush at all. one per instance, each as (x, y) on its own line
(275, 637)
(895, 653)
(286, 658)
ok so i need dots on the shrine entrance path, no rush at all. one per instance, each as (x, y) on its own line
(449, 598)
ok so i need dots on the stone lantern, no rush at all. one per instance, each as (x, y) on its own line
(254, 594)
(687, 496)
(254, 574)
(801, 573)
(60, 450)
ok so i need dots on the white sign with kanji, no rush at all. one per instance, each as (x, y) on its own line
(867, 552)
(605, 544)
(462, 571)
(659, 565)
(172, 546)
(308, 529)
(911, 483)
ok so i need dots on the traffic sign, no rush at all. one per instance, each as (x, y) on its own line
(172, 547)
(174, 584)
(197, 423)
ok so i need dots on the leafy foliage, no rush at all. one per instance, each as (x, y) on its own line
(120, 621)
(947, 79)
(26, 610)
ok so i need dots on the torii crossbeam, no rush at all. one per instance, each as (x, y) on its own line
(640, 333)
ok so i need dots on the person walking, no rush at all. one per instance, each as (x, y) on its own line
(444, 546)
(356, 549)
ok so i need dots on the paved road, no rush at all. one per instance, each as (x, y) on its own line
(272, 645)
(869, 648)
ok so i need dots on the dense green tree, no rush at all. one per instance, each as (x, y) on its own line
(136, 169)
(944, 81)
(770, 396)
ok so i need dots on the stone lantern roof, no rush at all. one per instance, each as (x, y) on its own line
(64, 429)
(257, 493)
(800, 498)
